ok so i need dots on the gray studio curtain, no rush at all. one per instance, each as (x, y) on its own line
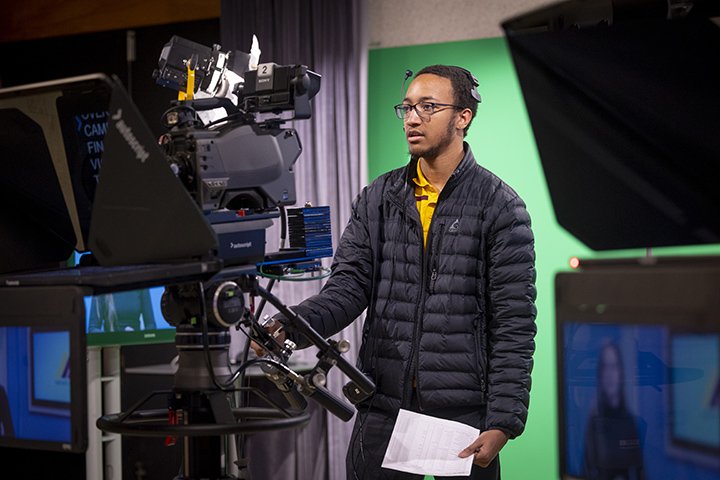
(329, 37)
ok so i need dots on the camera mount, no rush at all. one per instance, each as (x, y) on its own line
(199, 409)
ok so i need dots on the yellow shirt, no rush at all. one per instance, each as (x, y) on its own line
(426, 197)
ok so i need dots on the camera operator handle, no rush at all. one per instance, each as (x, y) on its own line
(284, 384)
(360, 381)
(330, 402)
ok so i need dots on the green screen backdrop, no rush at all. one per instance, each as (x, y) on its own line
(502, 141)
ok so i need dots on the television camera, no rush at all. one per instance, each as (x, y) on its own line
(237, 165)
(225, 141)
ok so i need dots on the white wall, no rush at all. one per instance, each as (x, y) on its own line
(394, 23)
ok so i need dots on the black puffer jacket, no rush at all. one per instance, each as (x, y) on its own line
(459, 315)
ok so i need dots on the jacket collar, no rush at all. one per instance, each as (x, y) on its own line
(403, 187)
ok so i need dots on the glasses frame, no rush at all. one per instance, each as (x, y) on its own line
(400, 109)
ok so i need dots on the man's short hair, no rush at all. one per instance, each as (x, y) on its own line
(462, 84)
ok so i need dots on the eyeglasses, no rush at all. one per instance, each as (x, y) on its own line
(423, 109)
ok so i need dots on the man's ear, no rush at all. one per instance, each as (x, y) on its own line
(464, 118)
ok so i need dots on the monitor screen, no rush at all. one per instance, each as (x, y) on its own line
(35, 390)
(639, 381)
(695, 405)
(640, 401)
(50, 370)
(42, 372)
(127, 318)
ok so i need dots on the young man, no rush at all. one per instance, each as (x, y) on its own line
(441, 254)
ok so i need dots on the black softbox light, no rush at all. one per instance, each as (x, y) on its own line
(624, 101)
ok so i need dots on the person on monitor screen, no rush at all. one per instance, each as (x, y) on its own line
(613, 449)
(441, 253)
(121, 312)
(6, 423)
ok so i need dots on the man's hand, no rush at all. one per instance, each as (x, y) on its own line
(274, 328)
(486, 447)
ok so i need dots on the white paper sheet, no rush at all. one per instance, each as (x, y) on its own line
(427, 445)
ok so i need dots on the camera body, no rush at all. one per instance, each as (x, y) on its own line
(235, 167)
(225, 140)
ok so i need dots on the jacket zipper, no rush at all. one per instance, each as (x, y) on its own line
(412, 368)
(435, 256)
(407, 385)
(411, 371)
(479, 336)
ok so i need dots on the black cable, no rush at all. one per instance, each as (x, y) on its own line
(206, 342)
(361, 426)
(269, 361)
(239, 373)
(240, 443)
